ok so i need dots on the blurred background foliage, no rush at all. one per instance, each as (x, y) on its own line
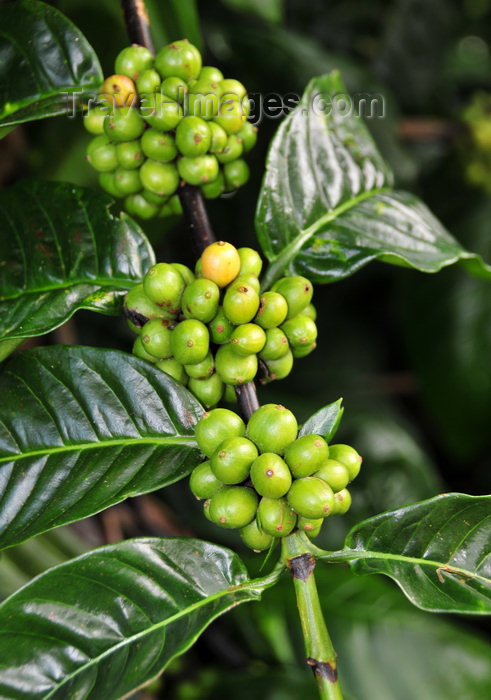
(409, 353)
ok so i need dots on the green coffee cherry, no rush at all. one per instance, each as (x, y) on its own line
(210, 74)
(270, 475)
(303, 350)
(203, 369)
(300, 330)
(231, 150)
(297, 292)
(248, 134)
(306, 455)
(275, 517)
(124, 124)
(108, 183)
(161, 112)
(190, 342)
(203, 99)
(199, 169)
(176, 208)
(272, 427)
(185, 272)
(347, 456)
(193, 137)
(160, 178)
(240, 303)
(175, 88)
(230, 394)
(94, 119)
(147, 82)
(212, 190)
(311, 497)
(164, 285)
(231, 116)
(250, 262)
(153, 198)
(342, 502)
(140, 351)
(202, 482)
(236, 173)
(248, 281)
(180, 59)
(233, 368)
(254, 538)
(232, 88)
(127, 181)
(133, 60)
(215, 427)
(218, 138)
(233, 507)
(200, 300)
(139, 308)
(231, 462)
(208, 391)
(221, 328)
(137, 205)
(310, 311)
(155, 337)
(158, 146)
(174, 369)
(275, 346)
(279, 369)
(206, 509)
(333, 473)
(311, 526)
(248, 339)
(272, 310)
(101, 154)
(129, 154)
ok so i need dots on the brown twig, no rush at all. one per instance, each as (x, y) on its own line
(137, 24)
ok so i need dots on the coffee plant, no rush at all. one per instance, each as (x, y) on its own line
(193, 394)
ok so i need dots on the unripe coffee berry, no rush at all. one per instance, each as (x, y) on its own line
(236, 173)
(300, 330)
(175, 88)
(248, 339)
(158, 146)
(311, 497)
(147, 82)
(275, 346)
(272, 427)
(306, 455)
(231, 151)
(161, 178)
(193, 136)
(248, 134)
(101, 154)
(233, 506)
(240, 303)
(180, 59)
(203, 99)
(218, 138)
(198, 170)
(200, 300)
(297, 291)
(124, 124)
(139, 351)
(311, 526)
(349, 457)
(208, 391)
(212, 190)
(202, 482)
(108, 183)
(270, 475)
(127, 181)
(190, 342)
(186, 274)
(174, 369)
(272, 310)
(94, 119)
(203, 369)
(160, 112)
(220, 262)
(215, 427)
(233, 368)
(333, 473)
(342, 502)
(139, 308)
(129, 154)
(133, 60)
(164, 285)
(211, 74)
(231, 462)
(250, 262)
(137, 205)
(254, 538)
(221, 328)
(310, 311)
(232, 115)
(155, 336)
(280, 368)
(303, 350)
(275, 517)
(248, 281)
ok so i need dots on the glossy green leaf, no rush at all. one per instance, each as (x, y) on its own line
(327, 206)
(438, 551)
(44, 61)
(324, 422)
(82, 429)
(107, 622)
(62, 250)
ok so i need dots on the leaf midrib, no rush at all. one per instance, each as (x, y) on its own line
(83, 446)
(96, 281)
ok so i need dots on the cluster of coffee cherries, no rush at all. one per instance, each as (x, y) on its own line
(208, 329)
(264, 480)
(165, 119)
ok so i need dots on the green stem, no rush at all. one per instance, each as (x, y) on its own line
(318, 646)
